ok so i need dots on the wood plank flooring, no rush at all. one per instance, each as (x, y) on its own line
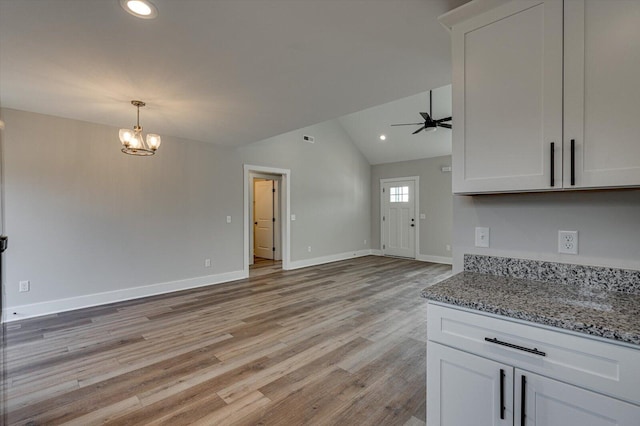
(337, 344)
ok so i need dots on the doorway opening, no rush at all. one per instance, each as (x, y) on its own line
(266, 219)
(399, 224)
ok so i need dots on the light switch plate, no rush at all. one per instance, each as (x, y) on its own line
(293, 217)
(482, 237)
(423, 216)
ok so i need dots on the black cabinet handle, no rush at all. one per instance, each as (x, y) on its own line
(523, 399)
(573, 162)
(502, 394)
(553, 163)
(511, 345)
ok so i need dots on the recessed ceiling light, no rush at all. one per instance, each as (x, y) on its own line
(140, 8)
(383, 137)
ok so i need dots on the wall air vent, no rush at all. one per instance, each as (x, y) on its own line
(308, 139)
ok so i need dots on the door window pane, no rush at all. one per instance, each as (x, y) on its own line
(399, 194)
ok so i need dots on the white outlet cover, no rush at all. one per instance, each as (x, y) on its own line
(568, 242)
(423, 216)
(482, 237)
(23, 286)
(228, 219)
(293, 217)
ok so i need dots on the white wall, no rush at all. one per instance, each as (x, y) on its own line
(435, 202)
(526, 226)
(88, 224)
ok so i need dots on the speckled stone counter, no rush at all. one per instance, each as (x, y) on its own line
(582, 308)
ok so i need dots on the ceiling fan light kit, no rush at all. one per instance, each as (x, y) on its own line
(429, 124)
(132, 141)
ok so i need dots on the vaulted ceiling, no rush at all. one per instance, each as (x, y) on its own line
(229, 72)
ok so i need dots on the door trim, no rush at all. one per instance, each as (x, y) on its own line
(285, 208)
(416, 185)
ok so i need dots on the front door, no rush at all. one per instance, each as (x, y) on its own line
(263, 218)
(398, 219)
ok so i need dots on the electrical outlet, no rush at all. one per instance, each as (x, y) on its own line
(568, 242)
(228, 219)
(309, 249)
(448, 247)
(23, 286)
(482, 237)
(207, 263)
(365, 242)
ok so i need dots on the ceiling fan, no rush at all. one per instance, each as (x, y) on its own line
(429, 123)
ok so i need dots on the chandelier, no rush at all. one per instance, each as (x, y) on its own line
(132, 141)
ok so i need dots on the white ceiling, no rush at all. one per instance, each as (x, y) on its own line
(223, 71)
(365, 128)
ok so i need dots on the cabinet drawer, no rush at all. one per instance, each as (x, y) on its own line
(604, 367)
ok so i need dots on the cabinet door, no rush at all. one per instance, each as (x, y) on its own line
(551, 403)
(464, 389)
(602, 94)
(507, 98)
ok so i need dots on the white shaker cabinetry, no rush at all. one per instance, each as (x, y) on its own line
(544, 95)
(483, 370)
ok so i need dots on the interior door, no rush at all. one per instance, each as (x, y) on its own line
(263, 218)
(398, 219)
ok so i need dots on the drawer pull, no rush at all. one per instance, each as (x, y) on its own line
(511, 345)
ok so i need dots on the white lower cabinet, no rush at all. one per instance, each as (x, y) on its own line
(465, 389)
(485, 371)
(541, 401)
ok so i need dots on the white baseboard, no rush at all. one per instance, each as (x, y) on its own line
(422, 258)
(297, 264)
(435, 259)
(21, 312)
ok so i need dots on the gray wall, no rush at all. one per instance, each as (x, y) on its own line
(435, 201)
(526, 225)
(329, 188)
(83, 218)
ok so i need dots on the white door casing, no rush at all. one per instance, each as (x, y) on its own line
(264, 217)
(284, 208)
(399, 216)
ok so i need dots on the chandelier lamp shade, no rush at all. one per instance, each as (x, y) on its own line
(132, 141)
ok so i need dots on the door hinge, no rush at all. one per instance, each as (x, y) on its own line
(383, 219)
(384, 246)
(382, 189)
(273, 219)
(273, 190)
(274, 249)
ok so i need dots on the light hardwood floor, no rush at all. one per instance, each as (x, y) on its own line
(337, 344)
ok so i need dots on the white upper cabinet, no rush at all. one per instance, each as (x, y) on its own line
(602, 93)
(510, 102)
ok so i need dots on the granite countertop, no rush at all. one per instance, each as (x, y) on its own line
(604, 313)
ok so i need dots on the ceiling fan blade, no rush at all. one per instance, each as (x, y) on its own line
(446, 126)
(426, 116)
(409, 124)
(419, 130)
(440, 120)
